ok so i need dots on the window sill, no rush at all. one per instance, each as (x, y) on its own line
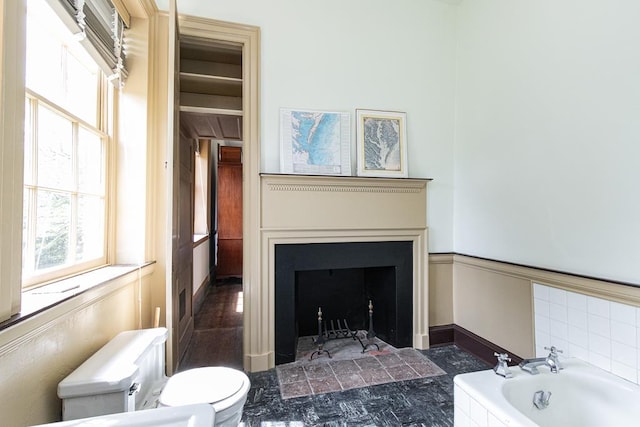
(199, 239)
(41, 299)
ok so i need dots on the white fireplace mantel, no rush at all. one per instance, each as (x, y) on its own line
(327, 209)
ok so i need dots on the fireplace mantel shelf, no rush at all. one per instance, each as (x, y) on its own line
(366, 178)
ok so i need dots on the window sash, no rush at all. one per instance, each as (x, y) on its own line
(31, 276)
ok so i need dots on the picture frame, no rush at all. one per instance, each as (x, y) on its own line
(381, 143)
(315, 142)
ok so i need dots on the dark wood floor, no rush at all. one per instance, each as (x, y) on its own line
(217, 336)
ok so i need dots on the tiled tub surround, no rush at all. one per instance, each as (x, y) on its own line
(603, 333)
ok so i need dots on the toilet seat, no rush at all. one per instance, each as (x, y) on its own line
(214, 385)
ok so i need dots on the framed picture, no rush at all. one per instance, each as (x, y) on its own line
(381, 143)
(315, 142)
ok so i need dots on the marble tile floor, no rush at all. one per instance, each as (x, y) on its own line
(422, 402)
(428, 402)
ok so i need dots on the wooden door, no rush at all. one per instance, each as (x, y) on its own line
(229, 212)
(180, 162)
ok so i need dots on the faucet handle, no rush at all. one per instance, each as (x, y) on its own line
(501, 368)
(502, 357)
(554, 351)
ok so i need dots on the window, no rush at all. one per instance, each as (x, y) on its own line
(201, 190)
(65, 145)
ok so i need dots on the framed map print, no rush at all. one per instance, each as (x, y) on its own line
(381, 143)
(315, 142)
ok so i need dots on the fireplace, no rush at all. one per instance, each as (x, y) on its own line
(342, 213)
(342, 278)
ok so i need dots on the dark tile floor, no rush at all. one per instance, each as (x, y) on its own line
(422, 402)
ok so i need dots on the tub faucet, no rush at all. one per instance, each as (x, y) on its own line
(552, 361)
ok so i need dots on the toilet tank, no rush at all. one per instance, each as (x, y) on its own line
(127, 374)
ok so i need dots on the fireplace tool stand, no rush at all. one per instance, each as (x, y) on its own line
(342, 331)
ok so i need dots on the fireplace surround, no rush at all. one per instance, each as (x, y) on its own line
(301, 210)
(341, 278)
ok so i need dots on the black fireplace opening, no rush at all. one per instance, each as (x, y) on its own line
(342, 278)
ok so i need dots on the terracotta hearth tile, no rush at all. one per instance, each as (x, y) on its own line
(410, 355)
(368, 363)
(325, 385)
(291, 374)
(349, 381)
(390, 360)
(403, 372)
(297, 389)
(378, 376)
(342, 367)
(318, 371)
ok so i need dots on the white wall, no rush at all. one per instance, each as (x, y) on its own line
(547, 134)
(339, 56)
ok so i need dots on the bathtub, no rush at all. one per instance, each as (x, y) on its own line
(582, 395)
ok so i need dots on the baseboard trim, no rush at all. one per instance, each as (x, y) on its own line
(467, 340)
(201, 293)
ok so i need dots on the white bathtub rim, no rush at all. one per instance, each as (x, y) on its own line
(485, 387)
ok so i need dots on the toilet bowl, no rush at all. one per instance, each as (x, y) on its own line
(224, 388)
(127, 374)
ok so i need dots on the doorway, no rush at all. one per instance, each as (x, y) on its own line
(208, 99)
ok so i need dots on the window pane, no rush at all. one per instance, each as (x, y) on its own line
(90, 162)
(53, 225)
(90, 234)
(82, 90)
(26, 197)
(44, 73)
(28, 144)
(58, 67)
(55, 150)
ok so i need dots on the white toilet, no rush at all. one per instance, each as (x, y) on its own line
(127, 374)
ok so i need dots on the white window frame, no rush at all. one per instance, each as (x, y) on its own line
(104, 112)
(12, 54)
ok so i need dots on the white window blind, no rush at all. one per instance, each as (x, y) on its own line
(100, 29)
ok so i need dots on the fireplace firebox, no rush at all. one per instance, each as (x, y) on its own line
(342, 278)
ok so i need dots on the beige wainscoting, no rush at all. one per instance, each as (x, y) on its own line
(37, 353)
(440, 289)
(494, 299)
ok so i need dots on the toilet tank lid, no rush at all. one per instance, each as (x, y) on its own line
(114, 367)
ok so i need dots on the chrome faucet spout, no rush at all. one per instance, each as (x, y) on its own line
(552, 361)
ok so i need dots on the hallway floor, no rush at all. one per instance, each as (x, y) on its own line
(217, 335)
(217, 340)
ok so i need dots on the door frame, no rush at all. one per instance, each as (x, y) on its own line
(248, 37)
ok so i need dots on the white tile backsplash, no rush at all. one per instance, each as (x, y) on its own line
(577, 301)
(598, 306)
(599, 325)
(623, 313)
(541, 292)
(604, 333)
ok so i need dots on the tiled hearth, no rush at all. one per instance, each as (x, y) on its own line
(326, 375)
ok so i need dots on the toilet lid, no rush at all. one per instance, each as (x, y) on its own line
(202, 385)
